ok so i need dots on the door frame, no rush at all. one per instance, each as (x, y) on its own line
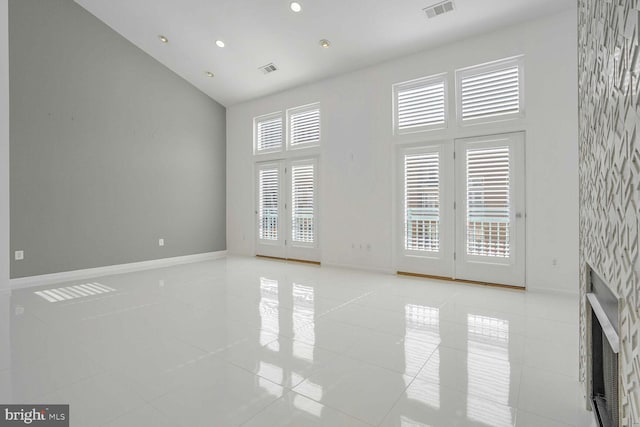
(269, 248)
(477, 268)
(284, 247)
(450, 171)
(442, 263)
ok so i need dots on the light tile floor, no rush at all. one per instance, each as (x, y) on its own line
(252, 342)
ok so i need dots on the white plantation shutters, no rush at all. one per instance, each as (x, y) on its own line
(303, 202)
(420, 104)
(490, 92)
(268, 132)
(304, 126)
(286, 183)
(460, 208)
(268, 202)
(302, 129)
(422, 201)
(488, 202)
(424, 217)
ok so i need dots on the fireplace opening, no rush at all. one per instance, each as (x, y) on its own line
(604, 353)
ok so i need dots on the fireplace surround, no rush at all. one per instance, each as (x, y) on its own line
(609, 177)
(603, 354)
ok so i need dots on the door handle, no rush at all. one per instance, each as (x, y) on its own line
(519, 215)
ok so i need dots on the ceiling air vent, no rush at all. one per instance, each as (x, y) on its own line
(269, 68)
(439, 8)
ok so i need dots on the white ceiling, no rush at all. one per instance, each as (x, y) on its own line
(257, 32)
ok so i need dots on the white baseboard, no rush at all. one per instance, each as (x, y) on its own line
(545, 290)
(65, 276)
(359, 267)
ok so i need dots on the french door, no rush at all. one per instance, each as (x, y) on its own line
(462, 209)
(490, 223)
(426, 218)
(286, 209)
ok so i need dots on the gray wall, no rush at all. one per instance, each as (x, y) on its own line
(4, 146)
(110, 150)
(610, 178)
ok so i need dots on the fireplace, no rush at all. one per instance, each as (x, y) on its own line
(603, 354)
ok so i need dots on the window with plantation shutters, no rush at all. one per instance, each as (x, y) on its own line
(422, 202)
(420, 104)
(268, 133)
(488, 202)
(303, 203)
(304, 126)
(268, 203)
(491, 92)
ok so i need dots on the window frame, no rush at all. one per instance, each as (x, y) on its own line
(415, 150)
(301, 109)
(278, 167)
(416, 83)
(313, 161)
(264, 118)
(488, 67)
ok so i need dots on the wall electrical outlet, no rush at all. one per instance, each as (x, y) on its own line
(19, 255)
(160, 242)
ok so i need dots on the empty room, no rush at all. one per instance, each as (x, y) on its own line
(277, 213)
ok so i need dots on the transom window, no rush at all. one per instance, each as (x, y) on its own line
(490, 92)
(484, 93)
(304, 126)
(268, 133)
(300, 126)
(420, 104)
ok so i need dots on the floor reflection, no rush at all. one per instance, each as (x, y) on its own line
(275, 374)
(72, 292)
(309, 406)
(303, 321)
(269, 312)
(408, 422)
(488, 370)
(422, 325)
(287, 333)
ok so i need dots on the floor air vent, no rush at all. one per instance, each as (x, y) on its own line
(269, 68)
(439, 8)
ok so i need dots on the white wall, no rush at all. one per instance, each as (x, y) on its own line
(4, 145)
(356, 171)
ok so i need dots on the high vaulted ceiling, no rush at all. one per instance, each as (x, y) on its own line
(258, 32)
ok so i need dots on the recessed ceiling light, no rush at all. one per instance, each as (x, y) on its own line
(163, 39)
(295, 6)
(209, 73)
(219, 43)
(325, 43)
